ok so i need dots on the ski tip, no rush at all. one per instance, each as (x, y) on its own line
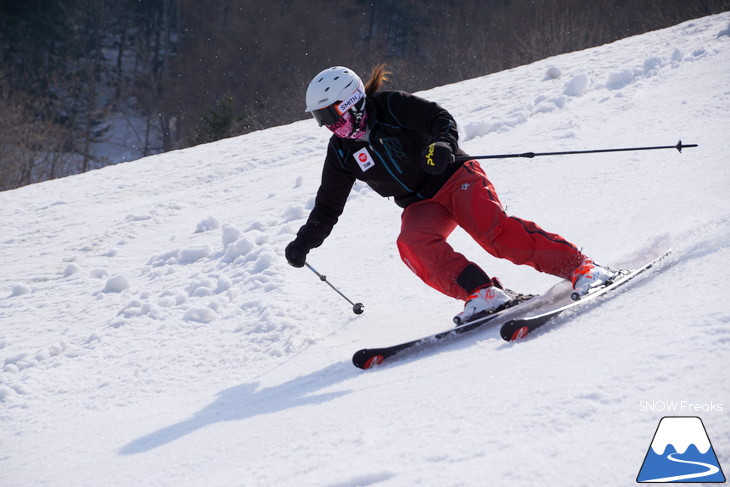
(512, 331)
(364, 359)
(520, 333)
(373, 361)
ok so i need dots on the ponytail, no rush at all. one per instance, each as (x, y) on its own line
(377, 77)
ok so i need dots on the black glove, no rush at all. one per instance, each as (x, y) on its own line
(436, 157)
(296, 253)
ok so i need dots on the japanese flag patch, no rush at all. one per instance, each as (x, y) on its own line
(364, 159)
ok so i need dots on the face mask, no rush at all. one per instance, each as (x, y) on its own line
(345, 128)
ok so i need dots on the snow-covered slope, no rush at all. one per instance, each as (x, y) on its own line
(151, 332)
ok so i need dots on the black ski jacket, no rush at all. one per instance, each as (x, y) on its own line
(389, 161)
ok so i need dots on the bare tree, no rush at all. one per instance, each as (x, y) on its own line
(31, 146)
(195, 70)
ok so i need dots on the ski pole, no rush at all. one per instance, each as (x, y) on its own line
(530, 155)
(357, 308)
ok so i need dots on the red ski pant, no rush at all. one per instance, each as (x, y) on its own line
(469, 201)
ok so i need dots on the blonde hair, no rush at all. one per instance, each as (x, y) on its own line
(378, 76)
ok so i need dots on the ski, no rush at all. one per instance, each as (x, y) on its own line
(370, 357)
(517, 328)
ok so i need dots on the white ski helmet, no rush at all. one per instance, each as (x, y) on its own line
(333, 92)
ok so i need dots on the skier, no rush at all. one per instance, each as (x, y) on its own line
(403, 147)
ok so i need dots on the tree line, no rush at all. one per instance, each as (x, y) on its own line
(184, 72)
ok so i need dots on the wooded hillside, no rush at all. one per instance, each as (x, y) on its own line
(183, 72)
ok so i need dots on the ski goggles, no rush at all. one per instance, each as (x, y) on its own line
(330, 114)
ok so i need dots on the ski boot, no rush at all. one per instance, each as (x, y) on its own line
(588, 276)
(484, 301)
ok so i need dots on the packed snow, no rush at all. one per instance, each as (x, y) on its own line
(151, 332)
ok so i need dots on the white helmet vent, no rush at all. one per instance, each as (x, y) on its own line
(331, 85)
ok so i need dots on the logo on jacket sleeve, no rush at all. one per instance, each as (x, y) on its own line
(364, 159)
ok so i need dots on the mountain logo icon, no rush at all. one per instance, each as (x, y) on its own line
(681, 452)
